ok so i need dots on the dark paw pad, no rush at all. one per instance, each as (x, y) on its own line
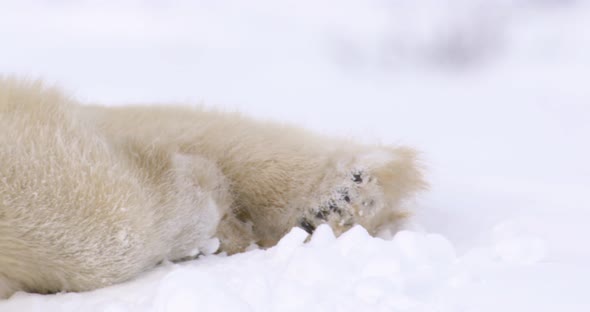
(357, 177)
(307, 226)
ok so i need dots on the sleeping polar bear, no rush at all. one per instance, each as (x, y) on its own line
(91, 196)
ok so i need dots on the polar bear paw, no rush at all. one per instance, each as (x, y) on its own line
(357, 196)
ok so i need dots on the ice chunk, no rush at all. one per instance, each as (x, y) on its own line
(322, 236)
(210, 246)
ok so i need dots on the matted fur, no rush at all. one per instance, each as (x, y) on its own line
(91, 196)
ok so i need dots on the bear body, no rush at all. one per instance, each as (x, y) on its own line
(91, 196)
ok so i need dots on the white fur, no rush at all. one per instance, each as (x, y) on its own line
(78, 211)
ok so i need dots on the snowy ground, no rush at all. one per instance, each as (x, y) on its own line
(495, 94)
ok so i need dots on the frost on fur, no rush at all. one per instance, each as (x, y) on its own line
(91, 196)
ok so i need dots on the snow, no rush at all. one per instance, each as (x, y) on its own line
(494, 93)
(414, 271)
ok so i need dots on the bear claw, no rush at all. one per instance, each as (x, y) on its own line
(341, 205)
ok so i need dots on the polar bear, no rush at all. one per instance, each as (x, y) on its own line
(91, 196)
(281, 176)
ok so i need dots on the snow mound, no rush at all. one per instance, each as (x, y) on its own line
(412, 272)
